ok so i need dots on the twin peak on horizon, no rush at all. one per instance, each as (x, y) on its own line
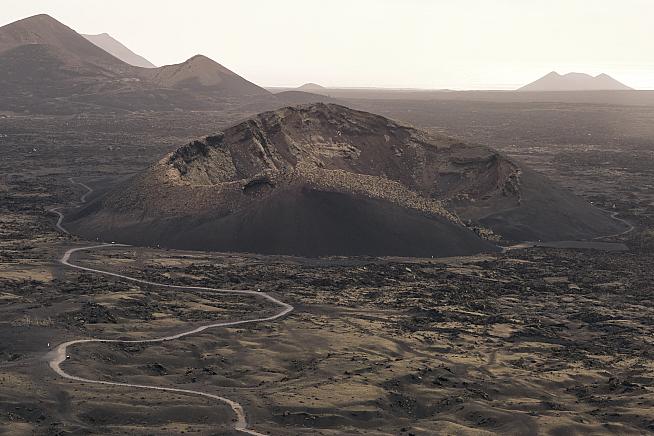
(575, 82)
(44, 30)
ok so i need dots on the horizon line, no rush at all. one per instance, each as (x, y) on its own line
(388, 88)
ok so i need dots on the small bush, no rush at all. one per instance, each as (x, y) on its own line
(28, 321)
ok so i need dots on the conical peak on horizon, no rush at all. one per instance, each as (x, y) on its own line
(37, 29)
(38, 17)
(553, 81)
(201, 60)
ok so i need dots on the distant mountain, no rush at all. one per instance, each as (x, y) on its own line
(311, 87)
(575, 82)
(46, 66)
(117, 49)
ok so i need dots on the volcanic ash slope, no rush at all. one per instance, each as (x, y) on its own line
(323, 179)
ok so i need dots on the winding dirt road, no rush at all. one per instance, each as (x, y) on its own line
(630, 227)
(529, 244)
(58, 355)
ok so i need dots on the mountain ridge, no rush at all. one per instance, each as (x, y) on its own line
(42, 59)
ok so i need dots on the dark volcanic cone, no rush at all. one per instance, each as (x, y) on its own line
(322, 179)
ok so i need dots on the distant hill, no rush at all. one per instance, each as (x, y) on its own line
(575, 82)
(46, 66)
(117, 49)
(311, 87)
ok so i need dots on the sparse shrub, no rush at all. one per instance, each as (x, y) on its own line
(29, 321)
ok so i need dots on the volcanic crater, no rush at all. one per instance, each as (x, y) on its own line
(323, 179)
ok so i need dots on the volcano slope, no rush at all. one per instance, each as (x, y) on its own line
(323, 179)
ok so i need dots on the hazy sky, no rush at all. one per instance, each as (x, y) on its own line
(462, 44)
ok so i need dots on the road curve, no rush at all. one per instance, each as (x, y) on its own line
(58, 355)
(630, 227)
(614, 215)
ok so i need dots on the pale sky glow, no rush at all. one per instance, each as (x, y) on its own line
(463, 44)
